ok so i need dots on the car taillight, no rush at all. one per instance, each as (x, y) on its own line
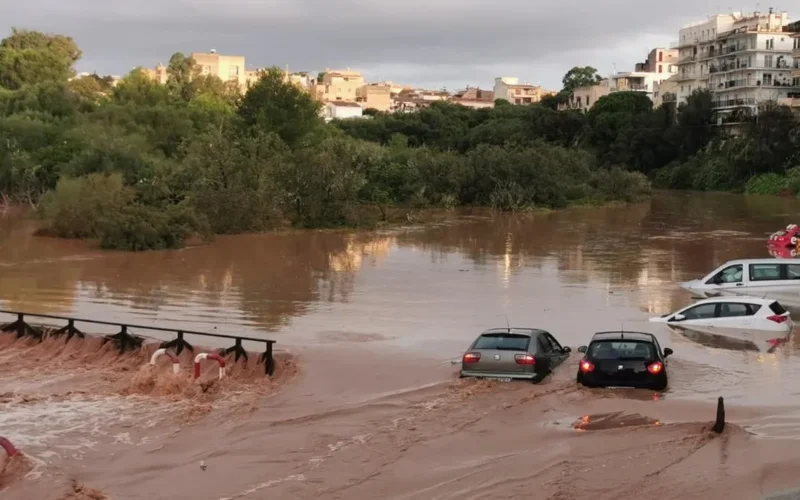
(587, 366)
(655, 368)
(524, 359)
(777, 318)
(472, 357)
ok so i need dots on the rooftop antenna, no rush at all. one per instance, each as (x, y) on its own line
(508, 326)
(622, 330)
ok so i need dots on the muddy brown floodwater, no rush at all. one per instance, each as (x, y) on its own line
(367, 404)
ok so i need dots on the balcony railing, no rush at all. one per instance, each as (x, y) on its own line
(750, 82)
(782, 66)
(727, 103)
(685, 59)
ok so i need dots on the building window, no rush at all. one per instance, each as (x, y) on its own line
(660, 56)
(233, 72)
(660, 68)
(767, 61)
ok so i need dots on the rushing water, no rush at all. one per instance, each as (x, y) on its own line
(376, 318)
(430, 289)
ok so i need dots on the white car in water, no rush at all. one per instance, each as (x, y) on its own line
(763, 322)
(775, 278)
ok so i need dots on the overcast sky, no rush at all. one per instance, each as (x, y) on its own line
(430, 43)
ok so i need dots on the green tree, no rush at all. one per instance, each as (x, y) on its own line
(181, 71)
(275, 105)
(30, 57)
(579, 77)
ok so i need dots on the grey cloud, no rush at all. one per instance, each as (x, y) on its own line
(427, 42)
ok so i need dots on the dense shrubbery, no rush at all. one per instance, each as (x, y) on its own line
(146, 166)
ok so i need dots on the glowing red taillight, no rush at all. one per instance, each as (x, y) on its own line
(472, 357)
(587, 366)
(777, 318)
(524, 359)
(655, 368)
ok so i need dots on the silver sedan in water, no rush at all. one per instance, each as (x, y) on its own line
(513, 353)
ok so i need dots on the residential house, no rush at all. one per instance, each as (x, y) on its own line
(509, 89)
(338, 85)
(341, 110)
(583, 98)
(375, 96)
(474, 98)
(666, 92)
(226, 68)
(159, 73)
(636, 81)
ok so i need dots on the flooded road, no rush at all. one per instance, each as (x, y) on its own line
(374, 320)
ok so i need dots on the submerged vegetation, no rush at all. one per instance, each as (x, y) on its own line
(139, 165)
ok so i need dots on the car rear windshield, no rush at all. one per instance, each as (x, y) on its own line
(503, 342)
(777, 308)
(621, 349)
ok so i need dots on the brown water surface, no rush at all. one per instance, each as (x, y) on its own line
(375, 318)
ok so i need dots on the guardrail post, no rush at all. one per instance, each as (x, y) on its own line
(238, 349)
(23, 329)
(178, 344)
(124, 340)
(70, 331)
(269, 360)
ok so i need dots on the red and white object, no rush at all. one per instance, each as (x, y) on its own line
(176, 366)
(6, 446)
(215, 357)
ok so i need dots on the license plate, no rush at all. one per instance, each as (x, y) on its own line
(500, 379)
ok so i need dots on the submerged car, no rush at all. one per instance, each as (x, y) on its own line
(775, 278)
(787, 238)
(513, 353)
(624, 359)
(764, 323)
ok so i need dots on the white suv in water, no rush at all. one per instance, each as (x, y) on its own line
(763, 322)
(777, 278)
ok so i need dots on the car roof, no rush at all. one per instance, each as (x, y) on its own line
(757, 261)
(622, 335)
(741, 299)
(514, 331)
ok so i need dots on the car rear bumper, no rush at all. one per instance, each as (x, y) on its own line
(652, 382)
(518, 375)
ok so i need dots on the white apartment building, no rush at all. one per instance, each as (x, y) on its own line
(695, 42)
(744, 60)
(752, 63)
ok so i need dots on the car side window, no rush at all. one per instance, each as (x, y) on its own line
(793, 271)
(703, 311)
(732, 310)
(765, 272)
(544, 344)
(553, 342)
(731, 274)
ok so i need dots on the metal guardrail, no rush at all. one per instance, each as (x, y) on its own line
(124, 341)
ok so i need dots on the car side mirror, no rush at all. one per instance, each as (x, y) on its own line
(668, 352)
(566, 350)
(678, 317)
(582, 349)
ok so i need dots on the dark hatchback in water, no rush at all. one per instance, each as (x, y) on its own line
(513, 353)
(624, 359)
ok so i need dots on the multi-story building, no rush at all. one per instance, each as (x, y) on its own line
(375, 96)
(793, 99)
(511, 90)
(696, 50)
(226, 68)
(666, 92)
(338, 85)
(636, 81)
(159, 73)
(751, 64)
(660, 60)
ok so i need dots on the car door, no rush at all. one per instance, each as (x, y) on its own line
(557, 351)
(544, 356)
(734, 316)
(728, 280)
(700, 316)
